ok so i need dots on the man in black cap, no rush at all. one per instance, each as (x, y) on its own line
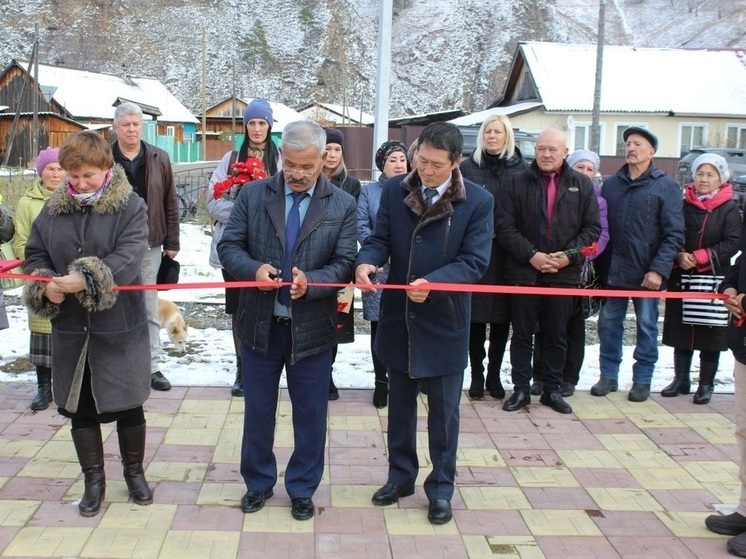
(646, 230)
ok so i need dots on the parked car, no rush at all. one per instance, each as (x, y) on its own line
(739, 191)
(524, 141)
(735, 157)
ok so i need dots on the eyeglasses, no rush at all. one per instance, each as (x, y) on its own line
(302, 172)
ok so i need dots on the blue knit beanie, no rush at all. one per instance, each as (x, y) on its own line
(258, 108)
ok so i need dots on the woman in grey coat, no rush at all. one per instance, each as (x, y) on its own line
(90, 238)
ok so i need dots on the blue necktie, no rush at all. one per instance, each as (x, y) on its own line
(430, 193)
(292, 228)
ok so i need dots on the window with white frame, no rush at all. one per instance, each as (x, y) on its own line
(582, 135)
(170, 131)
(735, 136)
(582, 138)
(692, 136)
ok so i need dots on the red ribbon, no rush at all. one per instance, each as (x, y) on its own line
(433, 286)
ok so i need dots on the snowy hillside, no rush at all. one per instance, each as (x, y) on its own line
(448, 54)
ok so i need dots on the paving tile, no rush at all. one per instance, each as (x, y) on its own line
(489, 547)
(124, 543)
(694, 452)
(206, 517)
(518, 457)
(508, 498)
(488, 522)
(263, 545)
(35, 488)
(544, 477)
(588, 458)
(426, 547)
(200, 544)
(49, 542)
(16, 512)
(665, 478)
(559, 498)
(520, 441)
(630, 523)
(685, 500)
(175, 471)
(352, 546)
(624, 499)
(560, 523)
(577, 547)
(615, 479)
(611, 426)
(368, 521)
(474, 476)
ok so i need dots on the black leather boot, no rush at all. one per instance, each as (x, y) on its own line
(706, 387)
(476, 388)
(44, 393)
(494, 384)
(90, 450)
(237, 390)
(681, 384)
(132, 448)
(381, 394)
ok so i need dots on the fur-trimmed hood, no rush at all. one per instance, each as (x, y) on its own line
(114, 199)
(443, 206)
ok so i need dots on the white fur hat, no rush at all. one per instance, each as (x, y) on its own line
(717, 161)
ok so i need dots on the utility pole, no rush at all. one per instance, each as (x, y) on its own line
(35, 97)
(204, 94)
(233, 107)
(381, 124)
(596, 116)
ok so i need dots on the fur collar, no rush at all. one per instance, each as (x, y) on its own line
(443, 206)
(114, 199)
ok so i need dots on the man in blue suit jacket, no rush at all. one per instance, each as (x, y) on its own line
(433, 226)
(294, 330)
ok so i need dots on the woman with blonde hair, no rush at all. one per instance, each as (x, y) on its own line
(495, 159)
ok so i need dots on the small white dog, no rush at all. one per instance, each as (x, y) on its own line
(170, 318)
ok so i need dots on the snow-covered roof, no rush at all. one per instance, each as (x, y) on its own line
(641, 80)
(281, 113)
(477, 118)
(338, 113)
(91, 95)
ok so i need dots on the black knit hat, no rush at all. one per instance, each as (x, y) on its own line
(334, 136)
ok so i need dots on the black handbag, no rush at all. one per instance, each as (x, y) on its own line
(168, 272)
(703, 312)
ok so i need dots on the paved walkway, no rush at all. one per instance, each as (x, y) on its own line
(614, 479)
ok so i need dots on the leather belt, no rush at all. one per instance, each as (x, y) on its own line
(282, 320)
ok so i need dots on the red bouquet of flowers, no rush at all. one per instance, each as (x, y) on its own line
(239, 174)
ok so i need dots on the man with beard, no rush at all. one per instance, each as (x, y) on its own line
(646, 230)
(293, 228)
(148, 170)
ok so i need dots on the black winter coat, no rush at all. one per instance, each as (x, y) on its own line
(492, 175)
(521, 224)
(736, 279)
(715, 227)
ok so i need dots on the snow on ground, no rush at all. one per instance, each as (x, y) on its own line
(210, 361)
